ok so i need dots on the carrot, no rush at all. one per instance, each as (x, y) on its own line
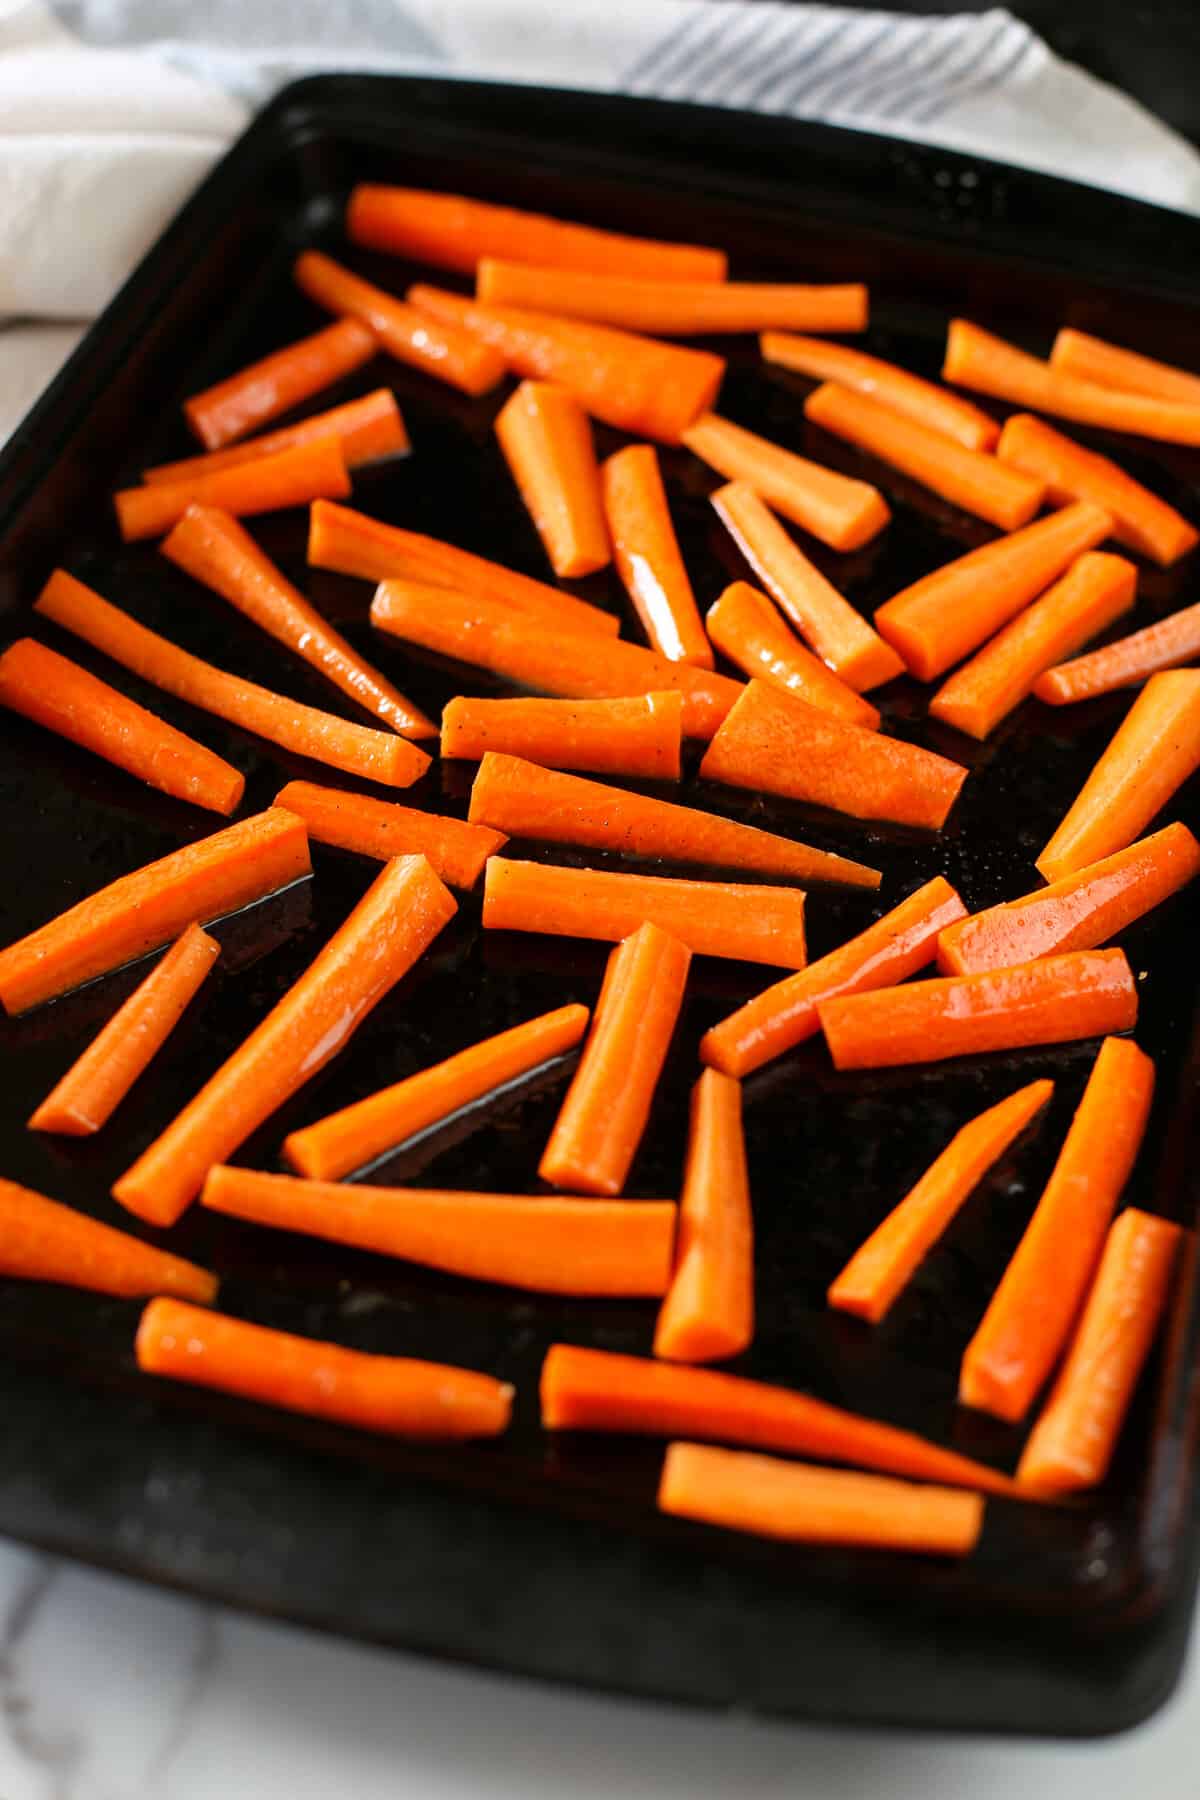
(1079, 912)
(1096, 589)
(455, 850)
(1078, 353)
(395, 1395)
(55, 692)
(358, 1134)
(440, 350)
(454, 232)
(268, 484)
(843, 513)
(708, 1313)
(213, 548)
(885, 1263)
(547, 1244)
(777, 744)
(94, 1086)
(144, 910)
(1140, 519)
(891, 950)
(713, 918)
(948, 613)
(1127, 662)
(369, 430)
(671, 308)
(375, 755)
(922, 401)
(523, 800)
(638, 384)
(640, 736)
(1072, 1443)
(546, 438)
(397, 918)
(647, 556)
(256, 395)
(1151, 756)
(838, 634)
(1079, 994)
(746, 628)
(1030, 1315)
(41, 1240)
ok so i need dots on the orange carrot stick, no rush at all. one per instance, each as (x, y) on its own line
(713, 918)
(891, 950)
(885, 1263)
(523, 800)
(671, 308)
(923, 401)
(746, 628)
(255, 396)
(398, 917)
(40, 1240)
(268, 484)
(94, 1086)
(358, 1134)
(777, 744)
(455, 850)
(1022, 1333)
(1127, 662)
(369, 430)
(55, 692)
(1096, 589)
(548, 1244)
(1072, 1444)
(639, 736)
(647, 556)
(144, 910)
(843, 513)
(546, 438)
(1091, 358)
(838, 634)
(394, 1395)
(708, 1313)
(1079, 912)
(1153, 753)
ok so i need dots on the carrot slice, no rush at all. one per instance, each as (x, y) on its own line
(523, 800)
(708, 1313)
(882, 1266)
(258, 394)
(891, 950)
(398, 917)
(369, 430)
(713, 918)
(547, 1244)
(647, 556)
(41, 1240)
(1022, 1333)
(1078, 353)
(150, 907)
(1095, 590)
(395, 1395)
(1127, 662)
(639, 736)
(838, 634)
(94, 1086)
(671, 308)
(843, 513)
(546, 438)
(358, 1134)
(53, 691)
(268, 484)
(746, 628)
(1072, 1443)
(923, 401)
(777, 744)
(454, 850)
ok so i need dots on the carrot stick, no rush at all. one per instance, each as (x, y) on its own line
(440, 350)
(923, 401)
(1030, 1315)
(375, 755)
(547, 1244)
(1153, 753)
(638, 384)
(746, 628)
(41, 1240)
(1078, 353)
(671, 308)
(646, 552)
(454, 850)
(395, 1395)
(1127, 662)
(268, 484)
(546, 438)
(150, 907)
(454, 232)
(843, 513)
(398, 917)
(891, 950)
(369, 430)
(94, 1086)
(1140, 519)
(1096, 589)
(256, 395)
(1079, 912)
(708, 1313)
(838, 634)
(358, 1134)
(713, 918)
(523, 800)
(1072, 1443)
(945, 615)
(639, 736)
(777, 744)
(213, 548)
(882, 1266)
(1080, 994)
(55, 692)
